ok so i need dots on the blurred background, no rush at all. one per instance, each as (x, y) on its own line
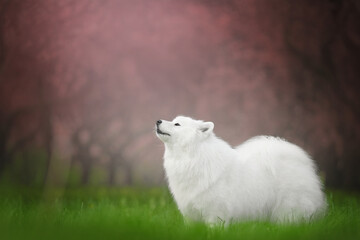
(83, 82)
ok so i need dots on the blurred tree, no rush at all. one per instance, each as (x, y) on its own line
(325, 43)
(82, 140)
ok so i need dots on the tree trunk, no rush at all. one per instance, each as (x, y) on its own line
(128, 176)
(48, 138)
(86, 170)
(112, 170)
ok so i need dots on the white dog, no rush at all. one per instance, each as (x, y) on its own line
(265, 178)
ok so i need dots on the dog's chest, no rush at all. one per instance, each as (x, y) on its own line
(183, 171)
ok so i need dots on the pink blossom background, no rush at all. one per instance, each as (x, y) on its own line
(86, 80)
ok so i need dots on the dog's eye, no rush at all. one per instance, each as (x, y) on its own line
(177, 124)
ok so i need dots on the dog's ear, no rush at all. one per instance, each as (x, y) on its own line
(206, 127)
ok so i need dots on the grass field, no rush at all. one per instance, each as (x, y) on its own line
(136, 213)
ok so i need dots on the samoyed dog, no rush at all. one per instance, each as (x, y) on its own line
(265, 178)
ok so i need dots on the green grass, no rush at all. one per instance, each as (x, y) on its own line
(136, 213)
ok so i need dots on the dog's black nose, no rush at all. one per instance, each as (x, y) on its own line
(158, 122)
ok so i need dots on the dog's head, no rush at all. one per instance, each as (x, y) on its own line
(183, 131)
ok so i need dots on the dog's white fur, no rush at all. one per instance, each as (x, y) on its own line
(265, 178)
